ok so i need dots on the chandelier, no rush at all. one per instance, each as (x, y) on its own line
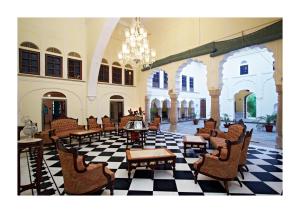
(135, 48)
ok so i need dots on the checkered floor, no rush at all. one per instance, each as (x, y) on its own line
(264, 176)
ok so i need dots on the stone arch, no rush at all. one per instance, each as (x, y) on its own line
(166, 105)
(155, 108)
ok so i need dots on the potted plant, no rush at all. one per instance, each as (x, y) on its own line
(270, 121)
(226, 120)
(195, 120)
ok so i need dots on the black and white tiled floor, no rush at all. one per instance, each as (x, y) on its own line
(264, 176)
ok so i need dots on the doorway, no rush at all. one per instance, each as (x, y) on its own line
(53, 107)
(116, 108)
(202, 108)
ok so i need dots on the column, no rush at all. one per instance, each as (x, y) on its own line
(215, 105)
(279, 118)
(173, 111)
(169, 110)
(147, 109)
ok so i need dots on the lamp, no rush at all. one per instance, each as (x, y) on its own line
(135, 49)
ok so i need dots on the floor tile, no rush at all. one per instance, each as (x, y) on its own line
(140, 184)
(187, 186)
(165, 185)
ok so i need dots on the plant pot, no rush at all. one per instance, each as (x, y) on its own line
(269, 127)
(196, 121)
(226, 125)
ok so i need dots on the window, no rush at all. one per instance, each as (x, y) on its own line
(116, 75)
(191, 84)
(53, 65)
(128, 77)
(183, 83)
(29, 62)
(244, 69)
(74, 54)
(165, 80)
(74, 69)
(104, 72)
(155, 80)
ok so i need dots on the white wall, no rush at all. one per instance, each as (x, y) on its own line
(259, 80)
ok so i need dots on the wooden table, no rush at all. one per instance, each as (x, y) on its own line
(149, 158)
(37, 145)
(81, 134)
(194, 141)
(141, 132)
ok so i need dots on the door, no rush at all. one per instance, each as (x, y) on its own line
(52, 109)
(116, 110)
(203, 108)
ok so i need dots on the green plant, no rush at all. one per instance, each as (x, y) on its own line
(268, 119)
(225, 118)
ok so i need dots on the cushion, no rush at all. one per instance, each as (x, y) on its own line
(217, 142)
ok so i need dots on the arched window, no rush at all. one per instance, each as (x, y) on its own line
(128, 75)
(155, 80)
(29, 60)
(53, 63)
(74, 66)
(54, 94)
(116, 73)
(104, 71)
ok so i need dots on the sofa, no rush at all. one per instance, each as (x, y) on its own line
(64, 126)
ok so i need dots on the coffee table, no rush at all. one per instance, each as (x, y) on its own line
(149, 158)
(79, 135)
(194, 141)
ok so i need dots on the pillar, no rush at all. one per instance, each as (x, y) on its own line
(215, 105)
(169, 110)
(173, 111)
(147, 109)
(279, 118)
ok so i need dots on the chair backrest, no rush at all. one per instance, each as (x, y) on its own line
(92, 122)
(156, 120)
(67, 159)
(210, 124)
(64, 124)
(245, 146)
(235, 131)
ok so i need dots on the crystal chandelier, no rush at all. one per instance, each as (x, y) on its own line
(136, 46)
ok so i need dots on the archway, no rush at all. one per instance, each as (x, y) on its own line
(191, 110)
(183, 110)
(155, 109)
(249, 70)
(54, 106)
(166, 105)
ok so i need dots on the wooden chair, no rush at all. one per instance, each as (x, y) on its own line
(93, 125)
(243, 157)
(155, 124)
(108, 125)
(223, 166)
(124, 120)
(82, 178)
(209, 127)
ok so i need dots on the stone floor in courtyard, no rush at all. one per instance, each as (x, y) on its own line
(259, 137)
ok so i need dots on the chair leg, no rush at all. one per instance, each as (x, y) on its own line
(226, 187)
(239, 182)
(247, 169)
(111, 188)
(195, 176)
(241, 172)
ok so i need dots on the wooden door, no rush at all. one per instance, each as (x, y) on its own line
(203, 108)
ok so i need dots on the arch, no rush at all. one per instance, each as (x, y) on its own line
(157, 102)
(29, 45)
(104, 61)
(191, 104)
(53, 50)
(54, 94)
(104, 37)
(128, 66)
(167, 103)
(74, 54)
(181, 67)
(115, 63)
(116, 97)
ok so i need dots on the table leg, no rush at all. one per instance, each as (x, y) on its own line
(126, 139)
(173, 164)
(79, 141)
(19, 172)
(39, 163)
(129, 169)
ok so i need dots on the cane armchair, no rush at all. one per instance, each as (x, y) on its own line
(206, 131)
(108, 125)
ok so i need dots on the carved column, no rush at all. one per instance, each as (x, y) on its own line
(169, 110)
(173, 111)
(147, 109)
(279, 118)
(215, 105)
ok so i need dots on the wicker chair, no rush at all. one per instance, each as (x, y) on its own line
(223, 166)
(92, 124)
(82, 178)
(124, 120)
(209, 127)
